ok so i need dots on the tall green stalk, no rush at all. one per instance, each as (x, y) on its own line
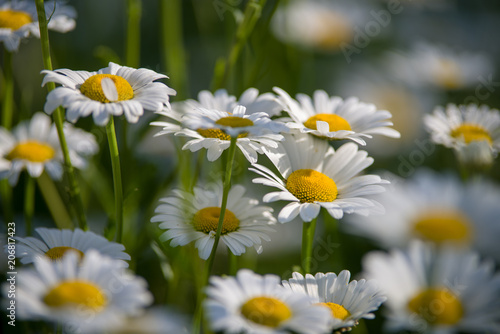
(58, 117)
(117, 177)
(308, 230)
(54, 202)
(7, 110)
(133, 43)
(29, 203)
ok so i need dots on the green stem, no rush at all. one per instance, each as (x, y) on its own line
(8, 90)
(233, 263)
(223, 67)
(29, 203)
(133, 43)
(58, 117)
(173, 49)
(6, 195)
(54, 202)
(210, 261)
(117, 178)
(308, 230)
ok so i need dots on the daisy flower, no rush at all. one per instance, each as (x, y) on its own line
(221, 100)
(436, 290)
(19, 19)
(347, 301)
(254, 304)
(440, 67)
(438, 209)
(212, 129)
(313, 176)
(194, 217)
(333, 118)
(153, 321)
(111, 91)
(84, 295)
(465, 127)
(34, 145)
(54, 243)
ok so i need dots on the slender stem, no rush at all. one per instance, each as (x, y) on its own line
(133, 44)
(233, 263)
(308, 230)
(224, 66)
(8, 90)
(58, 117)
(54, 202)
(29, 202)
(210, 261)
(173, 49)
(6, 196)
(117, 177)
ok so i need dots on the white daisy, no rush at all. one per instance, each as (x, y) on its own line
(84, 295)
(34, 145)
(313, 176)
(347, 301)
(54, 243)
(221, 100)
(431, 290)
(333, 118)
(19, 19)
(435, 208)
(459, 126)
(111, 91)
(440, 67)
(212, 129)
(254, 304)
(194, 217)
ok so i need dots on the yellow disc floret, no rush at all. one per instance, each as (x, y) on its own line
(471, 132)
(335, 122)
(266, 311)
(437, 306)
(92, 88)
(32, 151)
(56, 253)
(80, 293)
(442, 226)
(338, 311)
(310, 186)
(448, 74)
(13, 19)
(207, 220)
(234, 122)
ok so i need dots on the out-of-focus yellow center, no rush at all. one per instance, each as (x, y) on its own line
(335, 30)
(471, 132)
(234, 122)
(266, 311)
(76, 292)
(310, 186)
(437, 306)
(92, 88)
(335, 122)
(207, 220)
(32, 151)
(338, 311)
(443, 225)
(57, 253)
(13, 19)
(449, 75)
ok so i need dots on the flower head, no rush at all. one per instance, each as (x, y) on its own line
(194, 217)
(112, 91)
(254, 304)
(313, 176)
(34, 145)
(333, 118)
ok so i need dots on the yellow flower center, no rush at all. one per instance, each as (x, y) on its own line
(441, 226)
(32, 151)
(76, 293)
(56, 253)
(437, 306)
(311, 186)
(338, 311)
(266, 311)
(234, 122)
(92, 88)
(13, 19)
(207, 220)
(449, 74)
(471, 132)
(335, 122)
(335, 31)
